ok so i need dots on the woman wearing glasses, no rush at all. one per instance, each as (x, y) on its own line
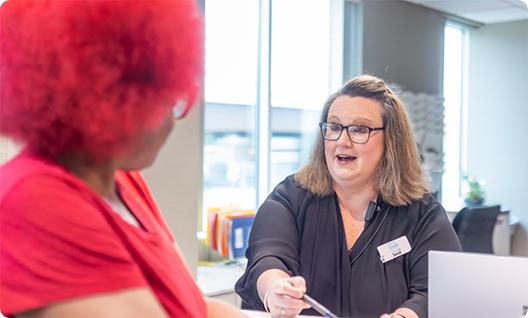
(351, 229)
(92, 88)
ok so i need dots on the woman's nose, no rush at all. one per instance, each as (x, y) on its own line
(344, 140)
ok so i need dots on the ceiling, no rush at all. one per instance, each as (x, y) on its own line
(482, 11)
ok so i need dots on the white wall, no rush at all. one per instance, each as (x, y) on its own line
(8, 149)
(175, 181)
(498, 118)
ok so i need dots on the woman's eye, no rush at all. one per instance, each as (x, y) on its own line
(335, 127)
(363, 130)
(360, 130)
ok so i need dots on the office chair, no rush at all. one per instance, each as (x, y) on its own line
(474, 227)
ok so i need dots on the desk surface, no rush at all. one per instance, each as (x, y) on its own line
(217, 280)
(261, 314)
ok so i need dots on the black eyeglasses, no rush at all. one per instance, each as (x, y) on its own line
(357, 133)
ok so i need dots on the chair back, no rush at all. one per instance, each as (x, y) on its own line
(474, 227)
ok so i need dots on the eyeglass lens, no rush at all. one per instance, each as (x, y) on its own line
(358, 134)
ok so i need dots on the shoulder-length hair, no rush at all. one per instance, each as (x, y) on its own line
(400, 178)
(89, 77)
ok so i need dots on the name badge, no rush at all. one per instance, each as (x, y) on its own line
(393, 249)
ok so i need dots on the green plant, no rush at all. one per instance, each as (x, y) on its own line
(476, 193)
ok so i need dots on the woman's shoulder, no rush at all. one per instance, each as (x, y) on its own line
(430, 201)
(290, 194)
(29, 170)
(286, 192)
(290, 188)
(426, 207)
(287, 186)
(427, 199)
(43, 193)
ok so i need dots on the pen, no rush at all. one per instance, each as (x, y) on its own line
(316, 305)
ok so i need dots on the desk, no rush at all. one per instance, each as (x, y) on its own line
(502, 232)
(262, 314)
(218, 282)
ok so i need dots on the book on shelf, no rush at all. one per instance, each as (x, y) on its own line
(225, 233)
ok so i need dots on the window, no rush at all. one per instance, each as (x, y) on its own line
(230, 93)
(299, 81)
(455, 50)
(268, 73)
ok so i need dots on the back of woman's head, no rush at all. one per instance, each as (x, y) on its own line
(90, 77)
(400, 178)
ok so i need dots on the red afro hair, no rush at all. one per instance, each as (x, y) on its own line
(91, 76)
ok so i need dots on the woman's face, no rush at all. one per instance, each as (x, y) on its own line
(145, 152)
(352, 165)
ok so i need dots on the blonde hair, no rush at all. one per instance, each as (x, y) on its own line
(400, 178)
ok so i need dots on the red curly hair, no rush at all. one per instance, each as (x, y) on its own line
(91, 76)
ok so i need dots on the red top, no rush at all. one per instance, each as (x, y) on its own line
(59, 240)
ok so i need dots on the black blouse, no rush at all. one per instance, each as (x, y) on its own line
(304, 235)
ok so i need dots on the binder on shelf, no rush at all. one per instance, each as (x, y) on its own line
(211, 227)
(221, 227)
(221, 235)
(238, 236)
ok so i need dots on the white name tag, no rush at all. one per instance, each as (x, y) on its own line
(393, 249)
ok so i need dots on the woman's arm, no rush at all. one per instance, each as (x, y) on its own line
(273, 245)
(218, 309)
(137, 302)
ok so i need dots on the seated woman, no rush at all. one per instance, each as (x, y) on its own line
(92, 89)
(353, 227)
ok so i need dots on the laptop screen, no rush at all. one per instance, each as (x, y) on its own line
(470, 285)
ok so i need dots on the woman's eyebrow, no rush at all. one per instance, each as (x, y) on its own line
(362, 120)
(332, 118)
(354, 121)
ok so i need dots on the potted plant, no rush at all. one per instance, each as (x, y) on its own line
(475, 195)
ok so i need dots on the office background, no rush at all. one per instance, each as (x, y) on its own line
(408, 39)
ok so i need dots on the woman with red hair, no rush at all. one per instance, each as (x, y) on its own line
(92, 88)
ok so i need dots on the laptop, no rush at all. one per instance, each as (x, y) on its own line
(466, 285)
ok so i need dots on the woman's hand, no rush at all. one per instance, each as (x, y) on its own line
(401, 313)
(391, 316)
(284, 297)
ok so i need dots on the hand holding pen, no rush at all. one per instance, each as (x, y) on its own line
(325, 312)
(284, 298)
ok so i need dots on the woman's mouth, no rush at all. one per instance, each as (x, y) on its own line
(345, 158)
